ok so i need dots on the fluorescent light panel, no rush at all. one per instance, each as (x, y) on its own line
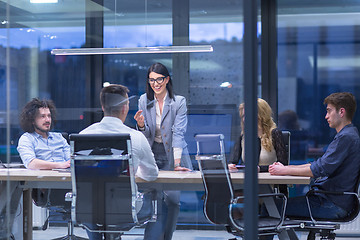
(340, 63)
(136, 50)
(43, 1)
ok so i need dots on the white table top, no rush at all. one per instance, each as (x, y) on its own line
(164, 177)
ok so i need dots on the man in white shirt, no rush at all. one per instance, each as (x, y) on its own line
(115, 104)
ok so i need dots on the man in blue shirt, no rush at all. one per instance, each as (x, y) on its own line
(337, 170)
(38, 147)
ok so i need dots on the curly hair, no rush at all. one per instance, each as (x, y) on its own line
(31, 109)
(265, 122)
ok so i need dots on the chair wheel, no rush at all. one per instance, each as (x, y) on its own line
(331, 236)
(327, 235)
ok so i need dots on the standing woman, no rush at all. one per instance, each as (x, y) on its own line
(162, 119)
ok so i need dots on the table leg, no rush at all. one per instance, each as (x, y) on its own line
(27, 214)
(274, 212)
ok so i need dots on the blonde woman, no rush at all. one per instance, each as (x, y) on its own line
(272, 147)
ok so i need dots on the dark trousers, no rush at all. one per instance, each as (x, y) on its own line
(168, 204)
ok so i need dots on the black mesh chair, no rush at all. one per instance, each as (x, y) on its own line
(105, 197)
(221, 205)
(284, 188)
(326, 227)
(286, 137)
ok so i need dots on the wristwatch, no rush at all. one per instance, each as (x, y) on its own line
(177, 165)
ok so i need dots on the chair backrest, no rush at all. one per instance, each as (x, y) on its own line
(66, 136)
(216, 177)
(286, 137)
(103, 180)
(356, 204)
(355, 211)
(348, 218)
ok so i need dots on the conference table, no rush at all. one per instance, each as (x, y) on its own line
(26, 179)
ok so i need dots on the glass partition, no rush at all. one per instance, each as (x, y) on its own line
(211, 82)
(317, 55)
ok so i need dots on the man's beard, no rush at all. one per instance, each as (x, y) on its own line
(42, 130)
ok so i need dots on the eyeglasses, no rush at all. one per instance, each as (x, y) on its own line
(159, 80)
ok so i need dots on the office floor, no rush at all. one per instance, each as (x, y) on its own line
(54, 232)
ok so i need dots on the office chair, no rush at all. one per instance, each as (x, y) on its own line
(57, 201)
(221, 205)
(104, 197)
(326, 227)
(286, 137)
(282, 188)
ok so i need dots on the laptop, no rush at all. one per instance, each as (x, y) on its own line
(62, 169)
(11, 165)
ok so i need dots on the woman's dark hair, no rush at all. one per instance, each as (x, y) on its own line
(31, 109)
(159, 69)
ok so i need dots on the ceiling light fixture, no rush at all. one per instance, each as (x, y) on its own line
(43, 1)
(135, 50)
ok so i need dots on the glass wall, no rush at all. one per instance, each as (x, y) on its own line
(211, 82)
(318, 54)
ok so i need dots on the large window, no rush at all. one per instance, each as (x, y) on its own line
(318, 51)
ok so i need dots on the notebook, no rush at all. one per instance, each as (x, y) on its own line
(12, 165)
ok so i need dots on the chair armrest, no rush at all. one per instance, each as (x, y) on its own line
(146, 196)
(236, 200)
(141, 194)
(263, 195)
(68, 196)
(313, 191)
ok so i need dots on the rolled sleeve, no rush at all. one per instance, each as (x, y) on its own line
(177, 153)
(26, 149)
(66, 149)
(332, 158)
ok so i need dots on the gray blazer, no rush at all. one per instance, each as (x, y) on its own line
(173, 126)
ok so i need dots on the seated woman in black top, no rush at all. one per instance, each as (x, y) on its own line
(272, 148)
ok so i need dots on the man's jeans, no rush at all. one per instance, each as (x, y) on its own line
(297, 208)
(320, 208)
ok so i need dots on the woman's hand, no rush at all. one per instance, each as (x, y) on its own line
(180, 168)
(139, 119)
(177, 166)
(232, 167)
